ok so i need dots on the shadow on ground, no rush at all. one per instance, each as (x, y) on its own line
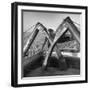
(33, 67)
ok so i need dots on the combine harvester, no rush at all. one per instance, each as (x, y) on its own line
(53, 47)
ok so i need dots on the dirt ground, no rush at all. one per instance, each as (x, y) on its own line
(32, 67)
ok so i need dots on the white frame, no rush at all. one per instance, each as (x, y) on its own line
(50, 78)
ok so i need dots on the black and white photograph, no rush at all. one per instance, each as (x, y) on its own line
(51, 44)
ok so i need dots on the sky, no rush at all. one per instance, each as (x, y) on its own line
(48, 19)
